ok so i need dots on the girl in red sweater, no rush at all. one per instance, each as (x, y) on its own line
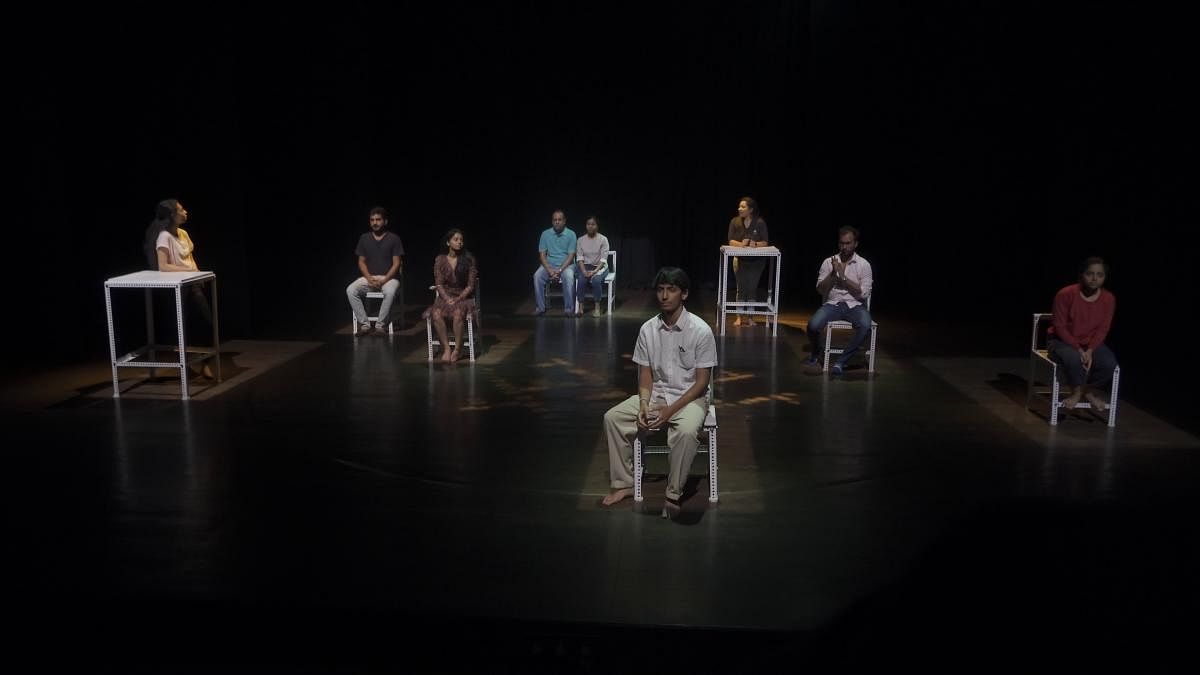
(1083, 314)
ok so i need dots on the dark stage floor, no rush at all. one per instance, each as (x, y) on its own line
(343, 502)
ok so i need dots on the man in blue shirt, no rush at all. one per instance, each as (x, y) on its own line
(557, 252)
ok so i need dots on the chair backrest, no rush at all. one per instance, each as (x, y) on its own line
(612, 261)
(1038, 318)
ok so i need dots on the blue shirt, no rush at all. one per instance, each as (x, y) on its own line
(557, 245)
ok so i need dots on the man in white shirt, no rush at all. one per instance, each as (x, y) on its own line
(592, 256)
(845, 281)
(674, 353)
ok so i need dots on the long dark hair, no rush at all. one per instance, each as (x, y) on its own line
(164, 219)
(460, 271)
(752, 204)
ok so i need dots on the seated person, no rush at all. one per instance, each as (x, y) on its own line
(379, 262)
(454, 276)
(674, 353)
(1083, 314)
(557, 251)
(845, 281)
(592, 260)
(169, 248)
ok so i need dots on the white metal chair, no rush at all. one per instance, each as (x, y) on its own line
(378, 295)
(1039, 358)
(472, 323)
(708, 445)
(846, 325)
(610, 283)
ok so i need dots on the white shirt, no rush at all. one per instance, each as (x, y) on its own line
(858, 270)
(591, 251)
(673, 353)
(179, 249)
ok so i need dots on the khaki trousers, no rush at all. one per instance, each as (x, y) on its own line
(620, 428)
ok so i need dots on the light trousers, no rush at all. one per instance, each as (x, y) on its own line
(683, 430)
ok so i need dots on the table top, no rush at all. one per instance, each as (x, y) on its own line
(154, 279)
(746, 251)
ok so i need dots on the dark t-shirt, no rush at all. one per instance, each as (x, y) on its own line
(756, 232)
(378, 254)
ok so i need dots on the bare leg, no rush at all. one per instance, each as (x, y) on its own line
(439, 327)
(616, 496)
(458, 330)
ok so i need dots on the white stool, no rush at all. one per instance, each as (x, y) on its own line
(1040, 358)
(378, 295)
(472, 319)
(610, 279)
(708, 437)
(846, 325)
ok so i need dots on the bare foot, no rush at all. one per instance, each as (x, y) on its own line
(1097, 402)
(616, 496)
(671, 509)
(1070, 401)
(446, 355)
(453, 356)
(737, 321)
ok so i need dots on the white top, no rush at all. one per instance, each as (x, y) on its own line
(179, 249)
(592, 251)
(674, 353)
(858, 270)
(154, 279)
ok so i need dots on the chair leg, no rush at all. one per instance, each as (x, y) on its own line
(713, 493)
(638, 468)
(871, 363)
(1029, 382)
(1054, 403)
(828, 342)
(1112, 397)
(471, 338)
(429, 337)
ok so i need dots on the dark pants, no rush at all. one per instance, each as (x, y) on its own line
(748, 273)
(1104, 362)
(858, 317)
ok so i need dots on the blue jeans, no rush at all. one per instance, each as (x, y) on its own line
(1104, 362)
(596, 283)
(858, 317)
(541, 277)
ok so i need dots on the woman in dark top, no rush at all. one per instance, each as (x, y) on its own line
(1083, 314)
(454, 275)
(747, 229)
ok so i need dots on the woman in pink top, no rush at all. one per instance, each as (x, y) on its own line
(1083, 314)
(168, 248)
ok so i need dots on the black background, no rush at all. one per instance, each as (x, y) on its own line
(983, 149)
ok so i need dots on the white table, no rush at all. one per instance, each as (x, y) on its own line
(770, 308)
(148, 281)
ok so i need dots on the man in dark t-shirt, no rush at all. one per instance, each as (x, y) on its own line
(379, 264)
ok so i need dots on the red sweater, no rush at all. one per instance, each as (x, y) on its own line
(1080, 323)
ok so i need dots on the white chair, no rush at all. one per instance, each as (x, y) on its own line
(610, 281)
(1039, 358)
(708, 445)
(846, 325)
(472, 323)
(378, 295)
